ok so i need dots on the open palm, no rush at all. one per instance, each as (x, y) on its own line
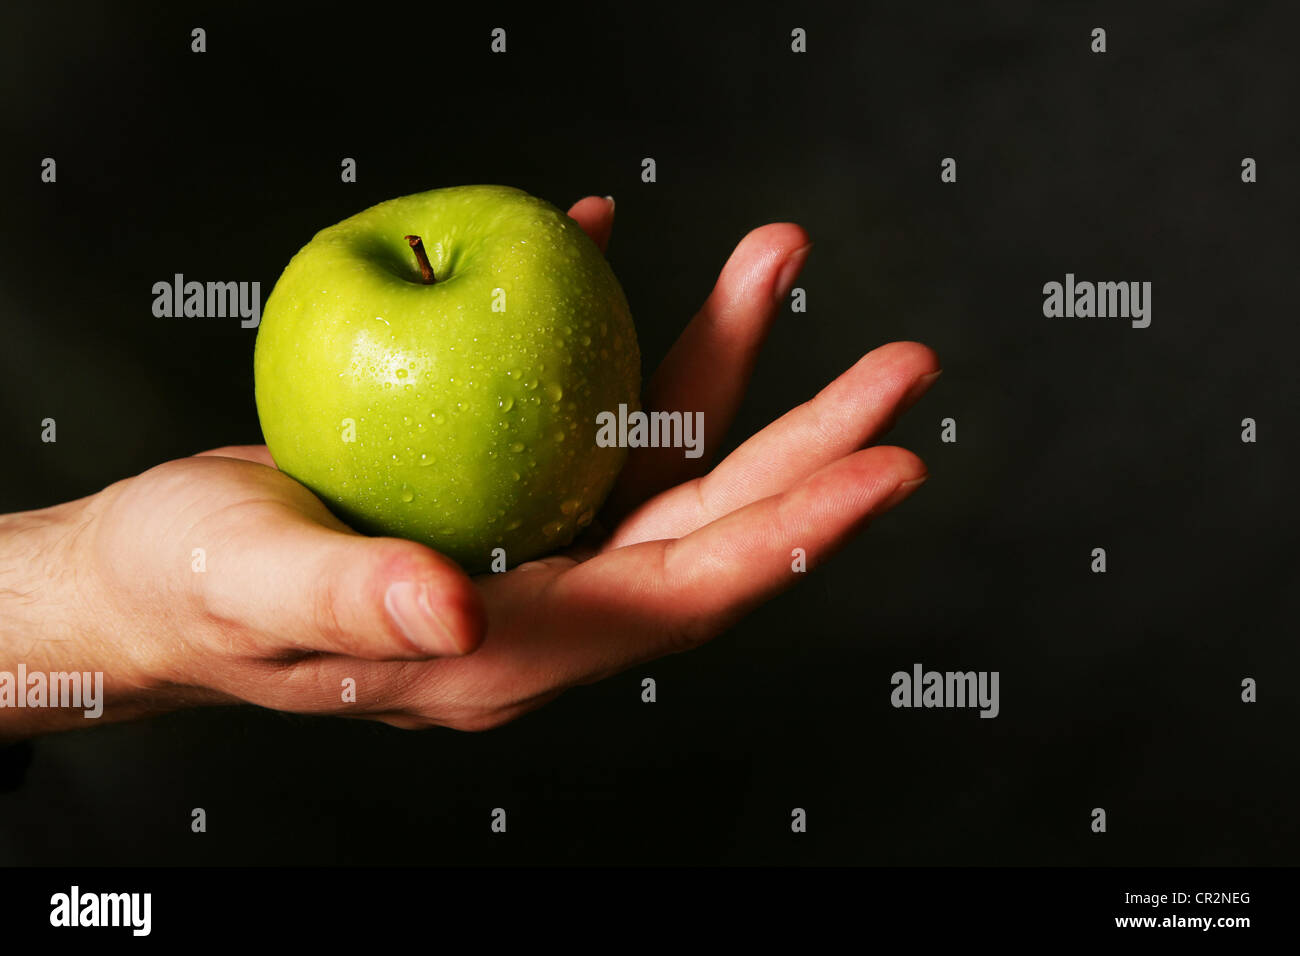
(292, 608)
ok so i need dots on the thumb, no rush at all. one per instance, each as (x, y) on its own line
(309, 587)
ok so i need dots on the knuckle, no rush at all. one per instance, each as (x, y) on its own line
(326, 622)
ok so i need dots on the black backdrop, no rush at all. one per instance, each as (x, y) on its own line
(1119, 690)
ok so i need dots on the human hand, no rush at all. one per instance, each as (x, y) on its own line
(292, 604)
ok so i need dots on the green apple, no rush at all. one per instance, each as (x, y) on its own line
(432, 369)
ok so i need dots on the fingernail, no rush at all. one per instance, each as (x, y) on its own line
(610, 200)
(919, 388)
(409, 606)
(790, 271)
(901, 494)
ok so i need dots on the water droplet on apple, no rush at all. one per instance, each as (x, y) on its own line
(559, 436)
(517, 447)
(553, 528)
(408, 496)
(570, 506)
(505, 403)
(515, 475)
(425, 460)
(447, 530)
(514, 524)
(401, 373)
(530, 384)
(584, 519)
(586, 340)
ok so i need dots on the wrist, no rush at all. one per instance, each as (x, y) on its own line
(65, 661)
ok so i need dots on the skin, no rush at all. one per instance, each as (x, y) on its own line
(293, 602)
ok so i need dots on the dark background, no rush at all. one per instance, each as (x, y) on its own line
(1119, 690)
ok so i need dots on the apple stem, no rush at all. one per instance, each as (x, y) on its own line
(426, 270)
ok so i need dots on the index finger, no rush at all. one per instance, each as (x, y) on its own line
(659, 597)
